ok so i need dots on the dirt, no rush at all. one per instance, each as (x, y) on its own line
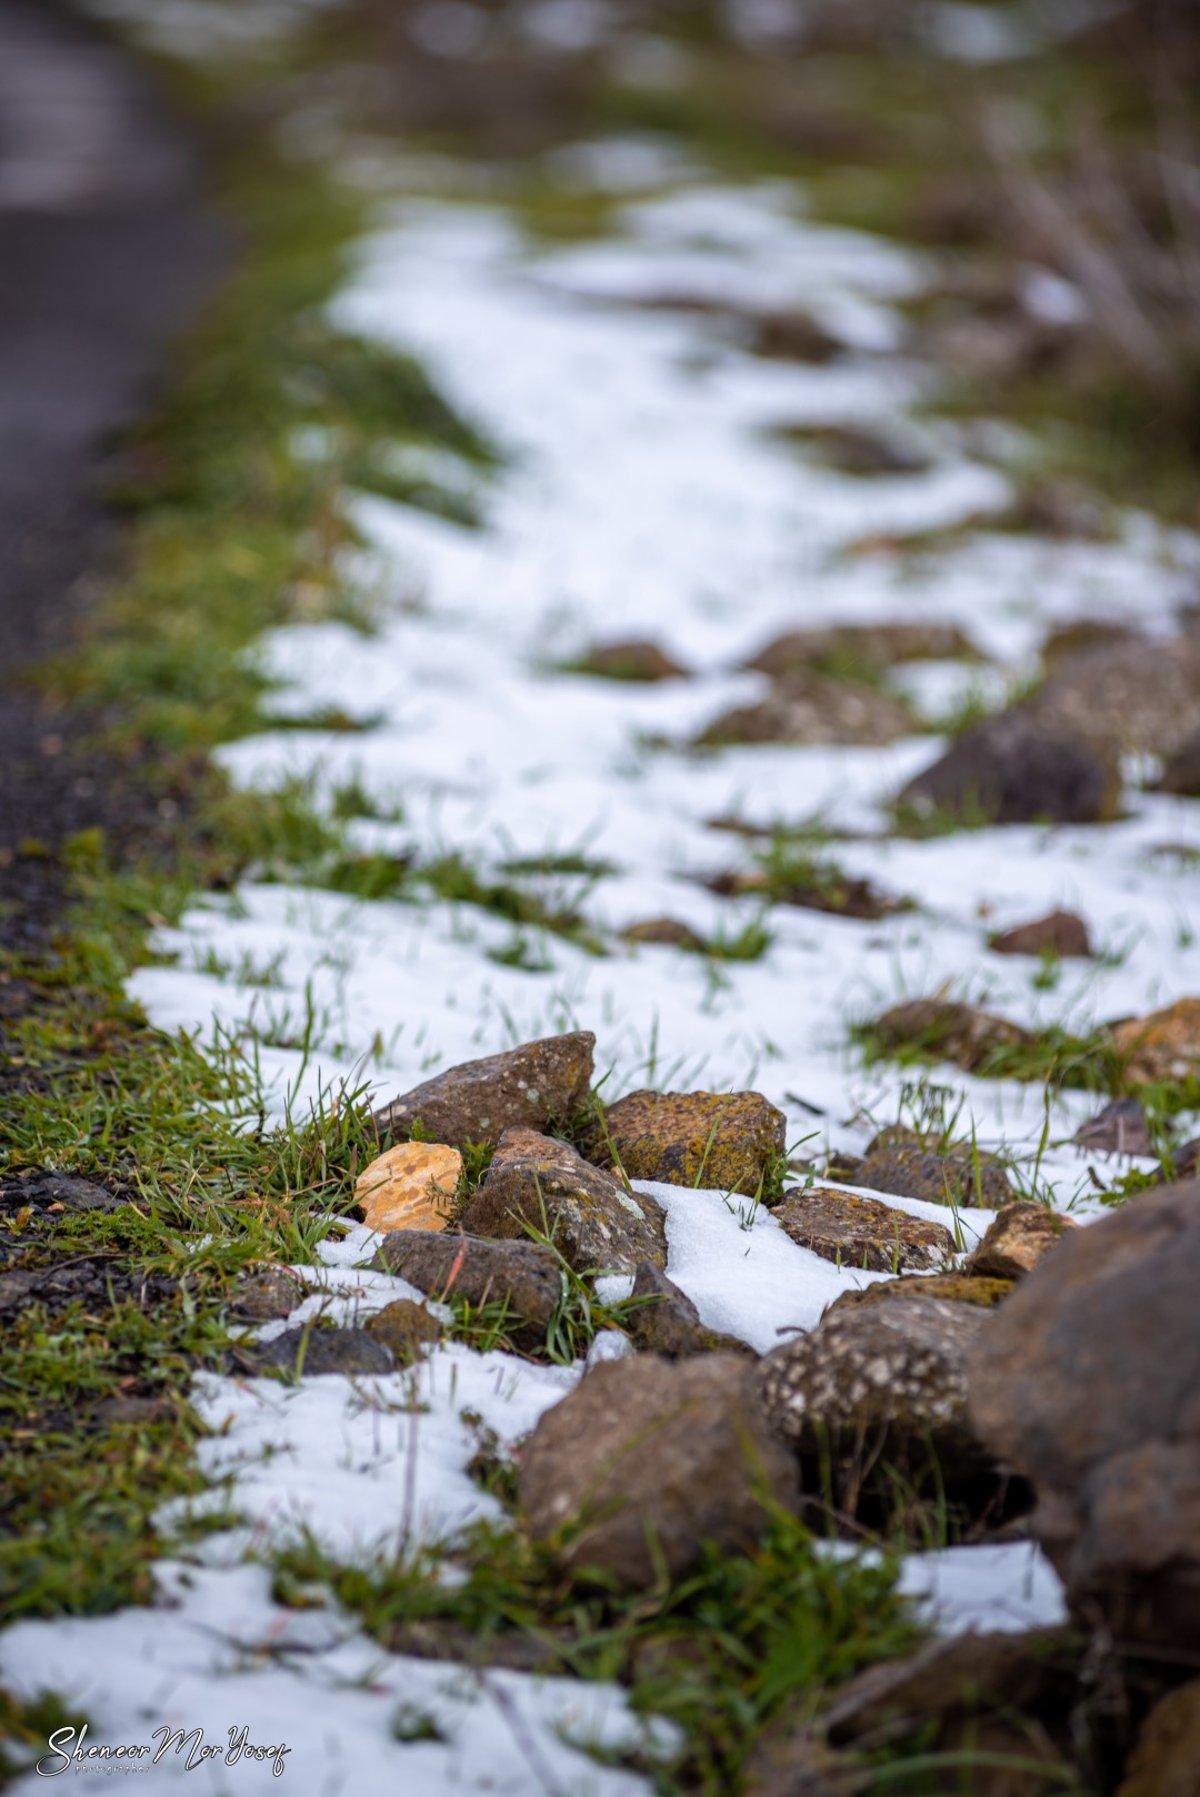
(109, 251)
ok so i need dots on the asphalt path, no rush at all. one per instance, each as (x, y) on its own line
(108, 249)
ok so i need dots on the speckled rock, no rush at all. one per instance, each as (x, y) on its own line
(1181, 770)
(1166, 1760)
(635, 659)
(1016, 769)
(1021, 1237)
(954, 1288)
(404, 1328)
(1134, 696)
(1162, 1046)
(1087, 1384)
(729, 1141)
(411, 1186)
(647, 1461)
(306, 1351)
(1059, 933)
(862, 1232)
(1121, 1127)
(874, 646)
(905, 1164)
(881, 1377)
(814, 708)
(665, 1321)
(537, 1183)
(265, 1294)
(668, 931)
(540, 1083)
(527, 1275)
(947, 1031)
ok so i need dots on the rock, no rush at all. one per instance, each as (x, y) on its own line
(404, 1328)
(307, 1350)
(1081, 635)
(878, 1379)
(1120, 1128)
(531, 1087)
(1060, 933)
(954, 1288)
(861, 1232)
(1163, 1047)
(908, 1166)
(844, 648)
(1181, 770)
(729, 1141)
(1064, 509)
(635, 660)
(43, 1192)
(1016, 769)
(265, 1294)
(536, 1184)
(1021, 1236)
(525, 1275)
(814, 708)
(665, 1321)
(1165, 1761)
(1184, 1162)
(947, 1031)
(851, 449)
(1136, 696)
(666, 930)
(1087, 1385)
(412, 1186)
(647, 1461)
(819, 887)
(794, 337)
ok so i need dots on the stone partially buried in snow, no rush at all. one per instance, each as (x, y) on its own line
(1121, 1127)
(647, 1461)
(528, 1087)
(909, 1166)
(945, 1030)
(814, 708)
(727, 1141)
(1163, 1047)
(880, 1377)
(412, 1186)
(1019, 1239)
(953, 1287)
(664, 1320)
(877, 647)
(667, 931)
(1087, 1384)
(535, 1183)
(635, 660)
(1016, 769)
(1059, 933)
(525, 1275)
(305, 1350)
(404, 1328)
(862, 1232)
(1138, 696)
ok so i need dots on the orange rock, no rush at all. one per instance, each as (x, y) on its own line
(1163, 1046)
(412, 1186)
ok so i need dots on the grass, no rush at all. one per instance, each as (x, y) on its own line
(719, 1653)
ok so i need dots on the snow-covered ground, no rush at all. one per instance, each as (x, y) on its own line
(645, 491)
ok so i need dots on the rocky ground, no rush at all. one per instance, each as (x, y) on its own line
(610, 1207)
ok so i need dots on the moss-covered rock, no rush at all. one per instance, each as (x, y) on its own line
(863, 1232)
(729, 1141)
(405, 1328)
(953, 1288)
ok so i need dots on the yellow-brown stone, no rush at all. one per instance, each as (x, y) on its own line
(1165, 1046)
(412, 1186)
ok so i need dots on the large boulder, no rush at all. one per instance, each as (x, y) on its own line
(537, 1185)
(1087, 1383)
(730, 1141)
(647, 1462)
(1016, 769)
(529, 1087)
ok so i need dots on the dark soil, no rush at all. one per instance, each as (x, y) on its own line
(108, 251)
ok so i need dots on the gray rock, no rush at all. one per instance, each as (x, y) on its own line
(1087, 1384)
(880, 1379)
(535, 1183)
(1016, 769)
(305, 1350)
(647, 1461)
(530, 1087)
(525, 1275)
(862, 1232)
(1122, 1127)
